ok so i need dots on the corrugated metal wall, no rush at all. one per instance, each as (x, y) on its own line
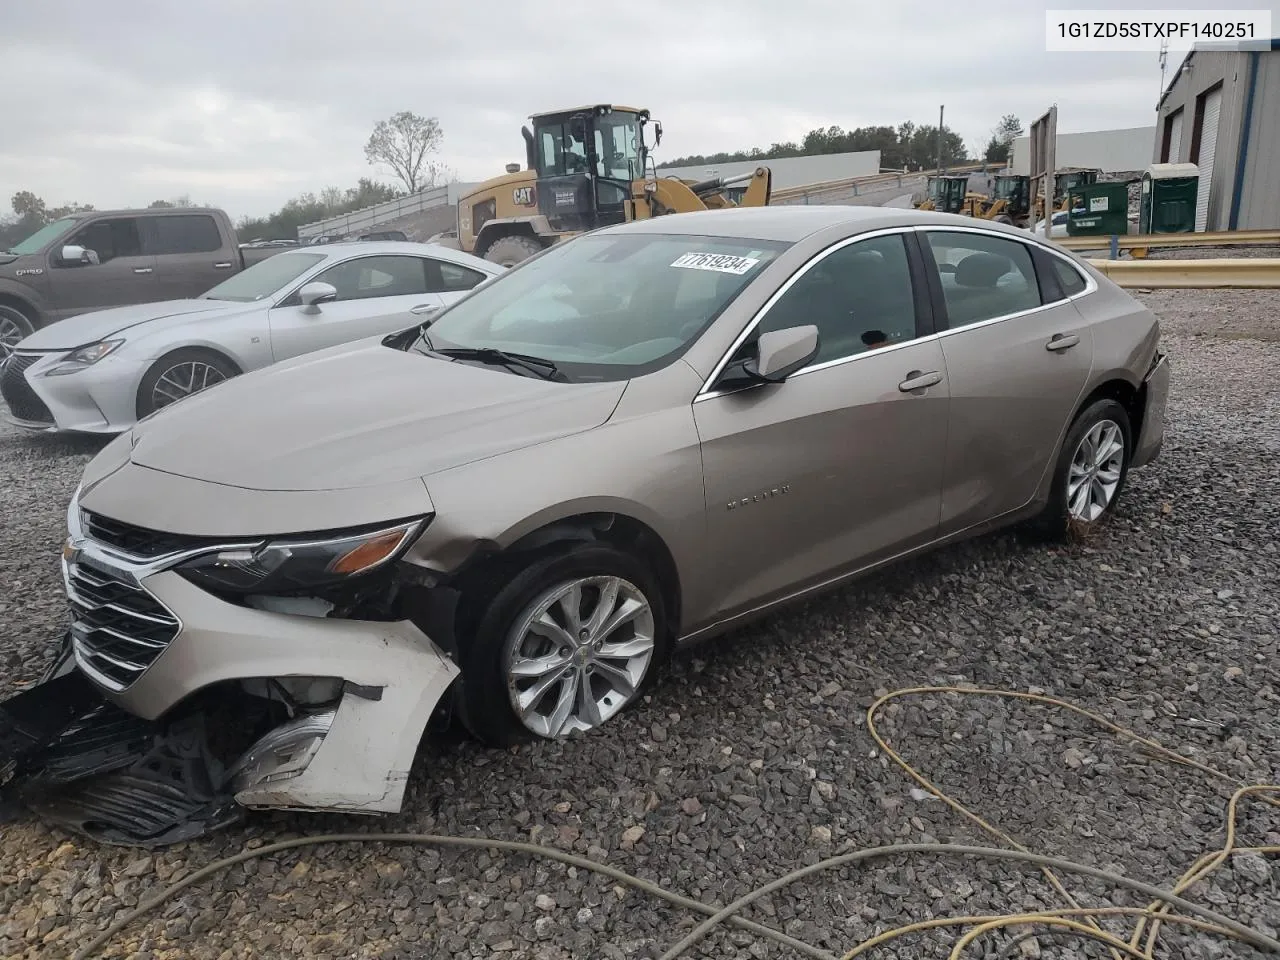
(1110, 151)
(788, 171)
(1260, 196)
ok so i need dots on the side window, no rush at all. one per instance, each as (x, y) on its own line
(369, 277)
(445, 277)
(859, 297)
(183, 233)
(983, 277)
(1068, 276)
(110, 238)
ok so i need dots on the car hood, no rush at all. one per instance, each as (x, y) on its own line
(361, 415)
(86, 328)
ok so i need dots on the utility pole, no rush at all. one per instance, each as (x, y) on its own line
(938, 139)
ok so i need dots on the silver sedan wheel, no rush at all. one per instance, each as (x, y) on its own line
(182, 380)
(578, 654)
(1095, 471)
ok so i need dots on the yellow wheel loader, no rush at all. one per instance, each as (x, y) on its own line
(586, 167)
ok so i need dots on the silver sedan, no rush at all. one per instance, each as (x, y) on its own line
(101, 372)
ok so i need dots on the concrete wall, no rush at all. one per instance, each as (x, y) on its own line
(1259, 207)
(788, 171)
(1110, 151)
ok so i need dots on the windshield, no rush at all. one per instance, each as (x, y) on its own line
(44, 236)
(264, 278)
(606, 306)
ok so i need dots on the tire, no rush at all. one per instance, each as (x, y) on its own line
(15, 326)
(1004, 218)
(497, 636)
(177, 365)
(509, 251)
(1060, 521)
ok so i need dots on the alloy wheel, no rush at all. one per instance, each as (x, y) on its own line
(578, 654)
(1096, 468)
(182, 380)
(11, 334)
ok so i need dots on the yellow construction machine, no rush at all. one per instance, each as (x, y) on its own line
(586, 167)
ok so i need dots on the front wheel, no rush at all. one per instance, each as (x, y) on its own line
(568, 643)
(512, 250)
(1091, 470)
(15, 326)
(180, 374)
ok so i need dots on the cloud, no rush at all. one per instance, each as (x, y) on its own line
(245, 104)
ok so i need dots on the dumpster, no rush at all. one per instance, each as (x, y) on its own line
(1168, 198)
(1098, 210)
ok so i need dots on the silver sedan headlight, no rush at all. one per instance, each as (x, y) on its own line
(83, 357)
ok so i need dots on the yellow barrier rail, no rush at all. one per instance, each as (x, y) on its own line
(1219, 238)
(1243, 273)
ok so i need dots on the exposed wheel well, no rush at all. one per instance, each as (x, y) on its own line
(1132, 399)
(22, 306)
(484, 577)
(488, 238)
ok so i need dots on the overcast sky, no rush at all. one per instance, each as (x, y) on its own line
(245, 104)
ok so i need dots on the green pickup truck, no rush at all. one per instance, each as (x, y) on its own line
(112, 258)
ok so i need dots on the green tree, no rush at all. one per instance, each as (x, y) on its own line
(29, 207)
(402, 143)
(1001, 143)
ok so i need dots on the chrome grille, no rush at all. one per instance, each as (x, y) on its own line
(119, 629)
(140, 542)
(21, 399)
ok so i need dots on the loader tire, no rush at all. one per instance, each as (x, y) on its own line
(1002, 218)
(511, 250)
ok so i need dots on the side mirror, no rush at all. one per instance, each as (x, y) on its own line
(315, 293)
(73, 253)
(780, 353)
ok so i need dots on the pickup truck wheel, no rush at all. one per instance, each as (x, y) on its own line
(562, 647)
(15, 326)
(180, 374)
(511, 250)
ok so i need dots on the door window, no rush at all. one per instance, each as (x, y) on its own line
(445, 277)
(109, 239)
(983, 277)
(860, 298)
(182, 233)
(371, 277)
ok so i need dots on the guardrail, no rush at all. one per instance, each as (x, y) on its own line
(368, 217)
(1139, 244)
(805, 192)
(1242, 273)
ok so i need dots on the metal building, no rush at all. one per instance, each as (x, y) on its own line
(1112, 151)
(788, 171)
(1221, 111)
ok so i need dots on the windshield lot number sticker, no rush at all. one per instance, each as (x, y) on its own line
(719, 262)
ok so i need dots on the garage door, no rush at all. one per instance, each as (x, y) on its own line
(1208, 143)
(1175, 138)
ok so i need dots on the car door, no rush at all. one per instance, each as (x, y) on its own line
(1018, 357)
(190, 254)
(377, 294)
(123, 275)
(840, 465)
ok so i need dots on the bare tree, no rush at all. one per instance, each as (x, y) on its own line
(402, 143)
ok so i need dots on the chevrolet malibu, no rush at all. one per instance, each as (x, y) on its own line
(639, 438)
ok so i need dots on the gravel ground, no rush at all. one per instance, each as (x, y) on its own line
(752, 756)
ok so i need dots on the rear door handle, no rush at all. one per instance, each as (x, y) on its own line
(1062, 341)
(424, 308)
(918, 381)
(222, 265)
(141, 269)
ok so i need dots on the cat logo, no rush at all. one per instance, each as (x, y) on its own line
(523, 196)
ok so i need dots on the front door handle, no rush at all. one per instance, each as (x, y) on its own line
(1062, 341)
(918, 381)
(425, 308)
(141, 269)
(222, 265)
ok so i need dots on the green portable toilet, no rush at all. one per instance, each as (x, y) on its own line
(1098, 210)
(1168, 200)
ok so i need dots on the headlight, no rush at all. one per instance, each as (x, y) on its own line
(83, 357)
(284, 565)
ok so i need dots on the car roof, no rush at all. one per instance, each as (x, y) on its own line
(346, 248)
(792, 223)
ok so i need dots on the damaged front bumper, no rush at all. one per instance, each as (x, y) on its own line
(129, 736)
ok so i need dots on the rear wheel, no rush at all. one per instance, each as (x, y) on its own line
(1091, 471)
(180, 374)
(564, 646)
(15, 326)
(512, 250)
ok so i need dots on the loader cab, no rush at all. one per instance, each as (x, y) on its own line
(948, 192)
(1015, 191)
(585, 160)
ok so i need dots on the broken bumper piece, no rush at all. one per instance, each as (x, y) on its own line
(201, 735)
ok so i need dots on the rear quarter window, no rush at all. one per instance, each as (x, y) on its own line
(1072, 281)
